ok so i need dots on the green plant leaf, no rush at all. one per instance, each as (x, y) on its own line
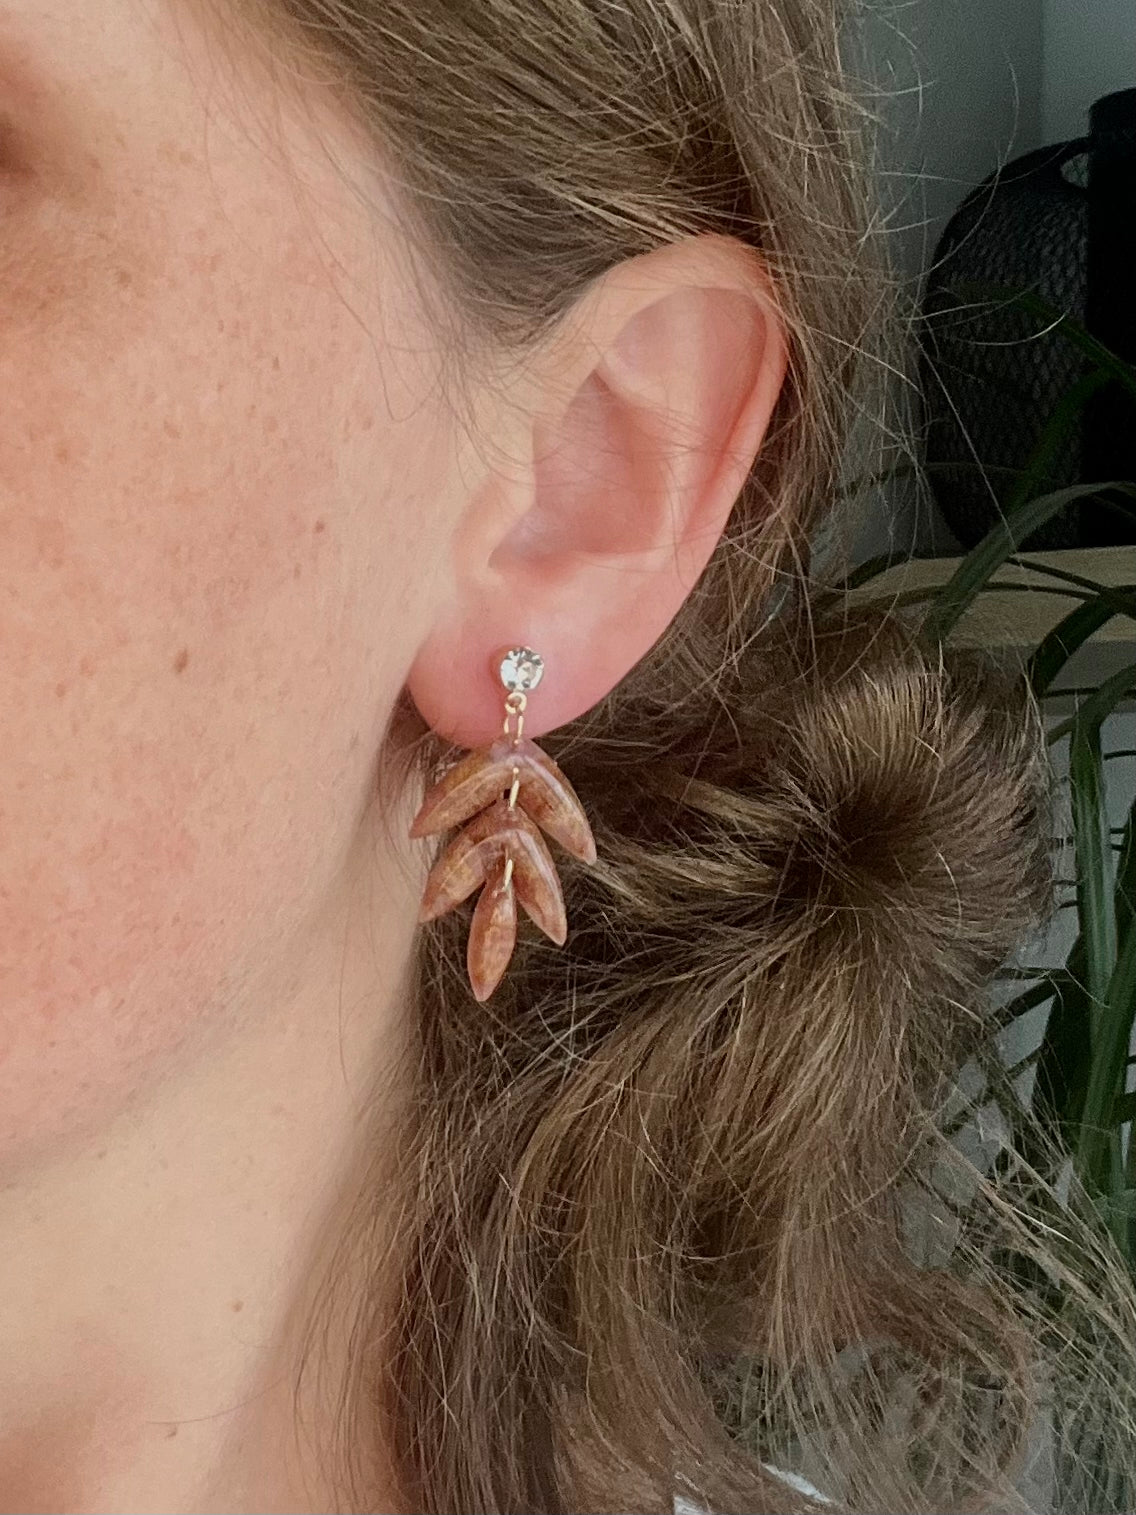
(1126, 881)
(871, 568)
(1100, 703)
(1000, 543)
(1122, 986)
(1046, 987)
(1058, 646)
(1054, 439)
(975, 291)
(1063, 1058)
(1096, 906)
(1110, 1025)
(1121, 596)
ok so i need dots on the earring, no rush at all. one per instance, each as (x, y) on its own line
(501, 848)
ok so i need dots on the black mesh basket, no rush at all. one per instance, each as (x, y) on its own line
(1061, 223)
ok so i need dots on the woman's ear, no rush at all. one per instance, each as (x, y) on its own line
(637, 425)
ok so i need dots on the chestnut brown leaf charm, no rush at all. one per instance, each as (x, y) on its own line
(502, 795)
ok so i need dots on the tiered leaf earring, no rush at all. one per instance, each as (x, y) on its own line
(501, 848)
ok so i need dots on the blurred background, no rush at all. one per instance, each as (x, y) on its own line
(1007, 162)
(965, 87)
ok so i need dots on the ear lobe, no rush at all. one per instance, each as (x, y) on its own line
(629, 488)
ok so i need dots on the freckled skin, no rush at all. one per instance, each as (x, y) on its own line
(211, 461)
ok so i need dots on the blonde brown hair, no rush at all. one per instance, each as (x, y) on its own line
(657, 1198)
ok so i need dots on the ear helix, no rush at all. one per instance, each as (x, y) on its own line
(501, 795)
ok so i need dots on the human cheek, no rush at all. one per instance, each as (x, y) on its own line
(181, 672)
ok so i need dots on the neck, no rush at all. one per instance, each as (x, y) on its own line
(158, 1274)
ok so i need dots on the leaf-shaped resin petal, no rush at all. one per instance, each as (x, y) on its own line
(480, 776)
(488, 773)
(462, 867)
(552, 802)
(492, 935)
(474, 854)
(535, 877)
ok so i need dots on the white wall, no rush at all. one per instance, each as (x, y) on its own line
(965, 85)
(1088, 50)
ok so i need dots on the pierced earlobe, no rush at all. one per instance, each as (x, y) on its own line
(502, 795)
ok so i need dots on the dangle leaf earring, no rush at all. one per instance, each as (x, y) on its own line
(501, 848)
